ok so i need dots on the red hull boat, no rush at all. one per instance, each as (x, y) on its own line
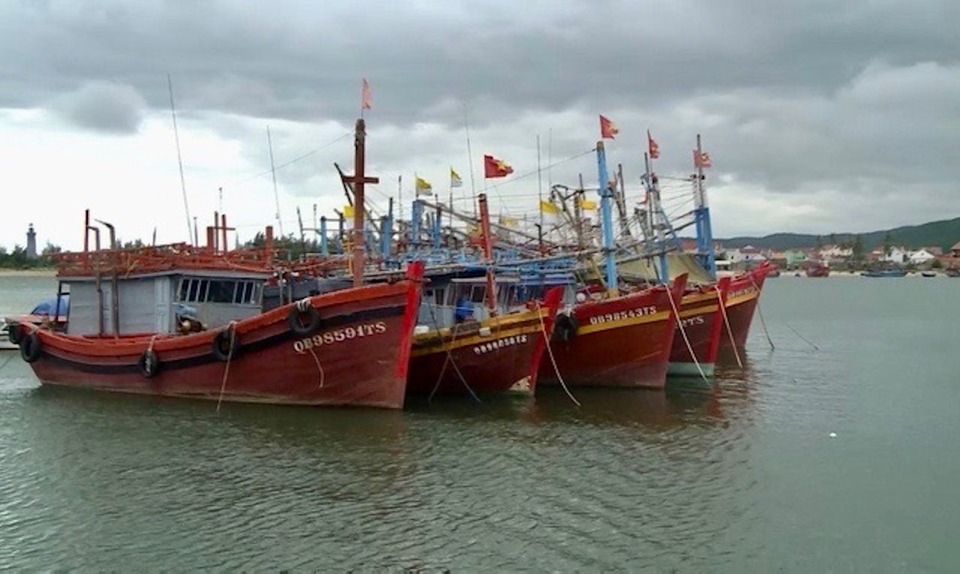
(701, 319)
(347, 348)
(619, 342)
(489, 356)
(743, 294)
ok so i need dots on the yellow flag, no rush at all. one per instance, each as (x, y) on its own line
(424, 187)
(588, 204)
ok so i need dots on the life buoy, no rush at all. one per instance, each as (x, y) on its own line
(304, 320)
(149, 364)
(13, 332)
(30, 347)
(564, 327)
(226, 344)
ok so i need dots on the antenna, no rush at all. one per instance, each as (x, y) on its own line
(473, 186)
(176, 135)
(273, 172)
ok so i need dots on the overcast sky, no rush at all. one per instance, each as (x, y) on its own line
(819, 116)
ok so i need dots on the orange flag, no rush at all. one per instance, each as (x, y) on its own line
(608, 129)
(493, 167)
(366, 100)
(701, 159)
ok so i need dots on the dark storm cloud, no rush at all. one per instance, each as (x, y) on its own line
(103, 107)
(791, 97)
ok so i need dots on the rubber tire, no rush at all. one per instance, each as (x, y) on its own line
(14, 334)
(30, 347)
(149, 364)
(564, 327)
(297, 326)
(221, 345)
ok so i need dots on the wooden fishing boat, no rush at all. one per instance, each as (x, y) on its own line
(818, 270)
(187, 321)
(621, 341)
(699, 330)
(494, 346)
(743, 295)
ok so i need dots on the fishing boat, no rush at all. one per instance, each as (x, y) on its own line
(952, 272)
(696, 343)
(613, 337)
(186, 321)
(743, 296)
(478, 335)
(50, 313)
(893, 272)
(818, 269)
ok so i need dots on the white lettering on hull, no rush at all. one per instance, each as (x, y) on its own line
(339, 335)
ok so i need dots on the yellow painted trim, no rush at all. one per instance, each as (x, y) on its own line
(699, 297)
(619, 323)
(742, 299)
(698, 311)
(472, 339)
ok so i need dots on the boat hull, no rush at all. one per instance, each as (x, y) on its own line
(620, 342)
(358, 356)
(492, 356)
(696, 343)
(742, 298)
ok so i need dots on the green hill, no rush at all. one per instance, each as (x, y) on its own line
(943, 234)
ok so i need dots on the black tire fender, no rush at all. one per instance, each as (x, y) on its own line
(149, 364)
(304, 320)
(226, 344)
(564, 327)
(14, 334)
(30, 347)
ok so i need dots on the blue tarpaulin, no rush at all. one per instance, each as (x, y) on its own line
(49, 306)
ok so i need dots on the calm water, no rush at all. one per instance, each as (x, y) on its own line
(742, 477)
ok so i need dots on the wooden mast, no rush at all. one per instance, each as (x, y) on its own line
(358, 180)
(487, 252)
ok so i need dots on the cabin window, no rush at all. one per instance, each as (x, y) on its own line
(477, 293)
(222, 291)
(194, 294)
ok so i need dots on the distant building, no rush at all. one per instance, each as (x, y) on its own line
(921, 256)
(31, 243)
(748, 254)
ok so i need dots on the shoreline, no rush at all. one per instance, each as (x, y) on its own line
(28, 272)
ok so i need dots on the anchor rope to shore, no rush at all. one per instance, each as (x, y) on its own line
(449, 360)
(553, 360)
(686, 340)
(726, 322)
(804, 339)
(226, 370)
(760, 314)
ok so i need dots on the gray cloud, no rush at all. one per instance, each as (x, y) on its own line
(852, 102)
(101, 106)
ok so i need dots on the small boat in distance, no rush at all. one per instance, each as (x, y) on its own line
(952, 272)
(893, 272)
(818, 269)
(50, 313)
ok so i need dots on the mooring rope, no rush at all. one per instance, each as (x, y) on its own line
(226, 371)
(449, 359)
(553, 360)
(760, 313)
(686, 340)
(726, 321)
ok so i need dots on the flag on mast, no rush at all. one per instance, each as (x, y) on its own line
(608, 129)
(701, 159)
(455, 180)
(653, 147)
(423, 187)
(493, 167)
(366, 99)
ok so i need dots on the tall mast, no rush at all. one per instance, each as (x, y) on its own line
(273, 173)
(487, 252)
(702, 218)
(358, 180)
(606, 199)
(656, 217)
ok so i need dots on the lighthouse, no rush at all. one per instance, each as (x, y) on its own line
(31, 243)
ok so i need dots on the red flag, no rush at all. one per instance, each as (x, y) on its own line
(366, 100)
(654, 148)
(701, 159)
(608, 129)
(493, 167)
